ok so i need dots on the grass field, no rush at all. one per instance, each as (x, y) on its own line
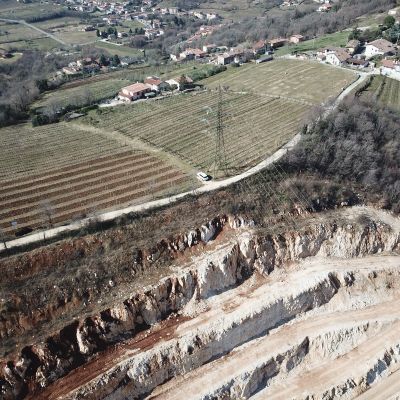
(75, 172)
(42, 44)
(336, 39)
(184, 125)
(386, 90)
(86, 93)
(307, 81)
(122, 51)
(16, 10)
(10, 33)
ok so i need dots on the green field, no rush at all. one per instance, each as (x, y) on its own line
(338, 39)
(83, 94)
(307, 81)
(122, 51)
(184, 125)
(386, 90)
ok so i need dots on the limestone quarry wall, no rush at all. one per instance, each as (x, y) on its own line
(40, 364)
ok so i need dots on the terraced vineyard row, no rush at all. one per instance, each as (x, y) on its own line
(386, 90)
(68, 193)
(254, 126)
(30, 151)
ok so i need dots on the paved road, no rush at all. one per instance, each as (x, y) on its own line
(207, 187)
(22, 22)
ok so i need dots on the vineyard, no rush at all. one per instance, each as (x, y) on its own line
(309, 81)
(386, 90)
(54, 174)
(254, 126)
(82, 95)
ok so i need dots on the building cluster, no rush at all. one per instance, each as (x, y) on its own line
(152, 86)
(357, 54)
(222, 55)
(90, 65)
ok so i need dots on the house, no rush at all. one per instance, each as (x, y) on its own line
(352, 46)
(337, 57)
(155, 83)
(259, 47)
(208, 48)
(390, 68)
(134, 92)
(180, 83)
(277, 42)
(70, 71)
(379, 47)
(296, 39)
(212, 16)
(325, 7)
(357, 62)
(225, 59)
(192, 54)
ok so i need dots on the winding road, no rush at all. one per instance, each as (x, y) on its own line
(206, 188)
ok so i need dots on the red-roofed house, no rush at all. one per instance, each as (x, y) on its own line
(134, 92)
(390, 68)
(278, 42)
(155, 83)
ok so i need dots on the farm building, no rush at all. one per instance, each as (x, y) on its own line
(134, 92)
(181, 83)
(264, 58)
(225, 59)
(278, 42)
(380, 47)
(390, 68)
(296, 39)
(337, 57)
(259, 47)
(155, 83)
(352, 46)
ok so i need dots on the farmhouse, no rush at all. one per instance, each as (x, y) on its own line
(259, 47)
(208, 48)
(296, 39)
(277, 42)
(390, 68)
(264, 58)
(225, 59)
(155, 83)
(192, 54)
(352, 46)
(379, 47)
(134, 92)
(181, 83)
(337, 57)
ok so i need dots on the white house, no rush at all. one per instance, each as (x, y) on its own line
(337, 57)
(390, 68)
(379, 47)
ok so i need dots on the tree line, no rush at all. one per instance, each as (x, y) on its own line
(358, 142)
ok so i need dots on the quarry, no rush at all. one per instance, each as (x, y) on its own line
(310, 312)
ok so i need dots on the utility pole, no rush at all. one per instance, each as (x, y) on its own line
(220, 154)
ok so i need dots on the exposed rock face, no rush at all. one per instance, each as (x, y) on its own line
(209, 275)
